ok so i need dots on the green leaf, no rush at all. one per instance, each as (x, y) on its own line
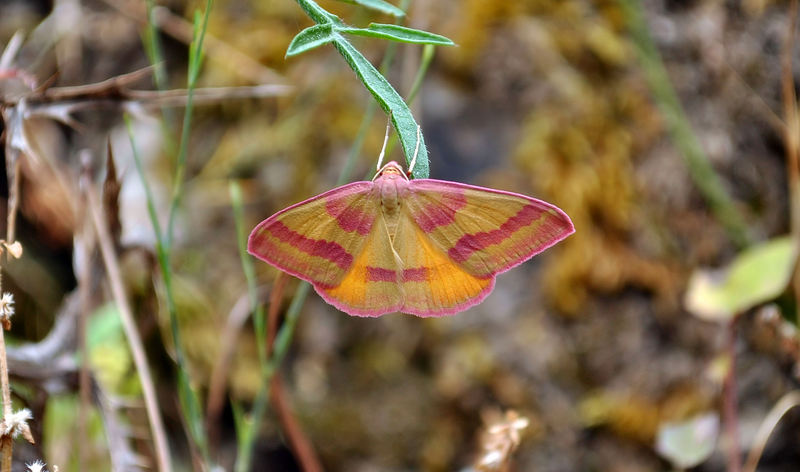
(757, 275)
(398, 33)
(104, 327)
(688, 443)
(379, 5)
(391, 102)
(310, 38)
(109, 356)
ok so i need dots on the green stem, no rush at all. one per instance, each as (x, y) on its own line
(256, 308)
(280, 348)
(316, 12)
(697, 162)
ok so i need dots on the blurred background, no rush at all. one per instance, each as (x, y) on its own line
(591, 342)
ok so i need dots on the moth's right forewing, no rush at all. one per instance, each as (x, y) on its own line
(318, 240)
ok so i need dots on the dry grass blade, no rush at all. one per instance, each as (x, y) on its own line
(177, 97)
(786, 403)
(105, 88)
(792, 129)
(111, 189)
(85, 243)
(129, 326)
(11, 50)
(300, 443)
(237, 317)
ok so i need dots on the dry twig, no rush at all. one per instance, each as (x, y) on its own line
(129, 326)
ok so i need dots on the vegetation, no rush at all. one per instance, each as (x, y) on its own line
(144, 140)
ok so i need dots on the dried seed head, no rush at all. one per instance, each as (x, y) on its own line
(16, 424)
(36, 466)
(6, 309)
(15, 249)
(6, 305)
(499, 441)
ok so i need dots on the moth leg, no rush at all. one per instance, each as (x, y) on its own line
(416, 150)
(385, 140)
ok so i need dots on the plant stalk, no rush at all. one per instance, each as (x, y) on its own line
(730, 402)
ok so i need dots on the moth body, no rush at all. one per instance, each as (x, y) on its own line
(392, 185)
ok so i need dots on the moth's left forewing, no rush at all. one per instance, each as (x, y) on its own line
(485, 231)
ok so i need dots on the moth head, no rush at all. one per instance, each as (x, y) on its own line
(391, 170)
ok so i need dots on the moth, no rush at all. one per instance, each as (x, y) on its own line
(423, 246)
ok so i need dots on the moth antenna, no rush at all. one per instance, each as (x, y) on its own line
(416, 150)
(385, 140)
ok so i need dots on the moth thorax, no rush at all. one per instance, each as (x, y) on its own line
(390, 198)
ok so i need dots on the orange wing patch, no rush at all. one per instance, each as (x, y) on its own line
(420, 279)
(432, 284)
(364, 291)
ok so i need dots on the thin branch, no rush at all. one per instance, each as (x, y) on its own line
(6, 441)
(729, 400)
(129, 326)
(103, 88)
(85, 244)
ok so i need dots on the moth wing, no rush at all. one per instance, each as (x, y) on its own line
(371, 287)
(484, 231)
(430, 283)
(319, 239)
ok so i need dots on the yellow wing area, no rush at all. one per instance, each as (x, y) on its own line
(433, 284)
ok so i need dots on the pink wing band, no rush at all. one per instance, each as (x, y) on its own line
(471, 243)
(329, 250)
